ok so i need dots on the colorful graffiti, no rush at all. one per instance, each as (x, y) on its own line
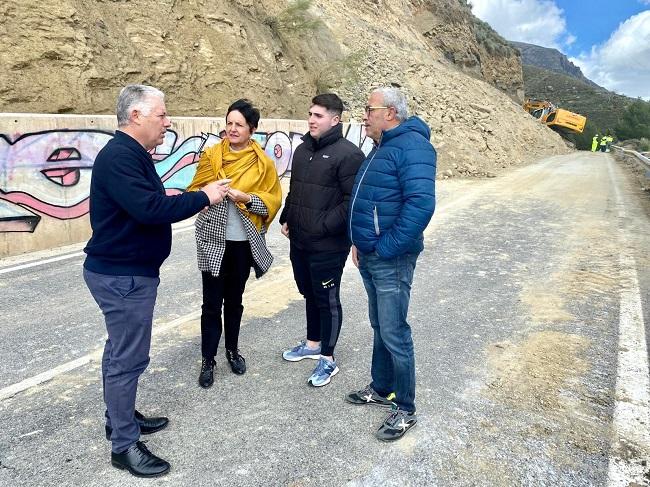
(48, 172)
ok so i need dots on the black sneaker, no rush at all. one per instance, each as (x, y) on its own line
(236, 361)
(369, 396)
(396, 424)
(206, 376)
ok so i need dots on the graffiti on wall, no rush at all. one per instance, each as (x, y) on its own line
(48, 172)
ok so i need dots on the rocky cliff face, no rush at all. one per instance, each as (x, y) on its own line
(551, 59)
(471, 44)
(74, 55)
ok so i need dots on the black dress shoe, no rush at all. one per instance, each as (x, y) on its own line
(147, 425)
(236, 361)
(140, 461)
(206, 377)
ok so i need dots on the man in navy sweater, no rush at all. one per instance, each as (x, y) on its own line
(131, 218)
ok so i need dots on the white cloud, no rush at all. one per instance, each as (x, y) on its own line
(622, 63)
(538, 22)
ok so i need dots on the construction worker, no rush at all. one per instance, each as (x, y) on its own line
(603, 143)
(608, 142)
(594, 143)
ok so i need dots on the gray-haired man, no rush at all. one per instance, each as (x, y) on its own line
(392, 202)
(131, 218)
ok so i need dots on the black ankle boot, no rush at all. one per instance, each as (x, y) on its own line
(206, 377)
(236, 361)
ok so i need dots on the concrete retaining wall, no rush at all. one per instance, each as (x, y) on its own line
(46, 162)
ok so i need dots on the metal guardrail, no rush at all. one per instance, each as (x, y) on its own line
(645, 160)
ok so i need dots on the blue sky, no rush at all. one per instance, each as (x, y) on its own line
(609, 40)
(590, 28)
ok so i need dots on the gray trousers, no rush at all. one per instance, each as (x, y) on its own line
(127, 303)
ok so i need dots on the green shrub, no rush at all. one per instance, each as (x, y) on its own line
(493, 42)
(295, 19)
(635, 121)
(644, 145)
(583, 141)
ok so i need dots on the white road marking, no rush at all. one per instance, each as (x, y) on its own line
(23, 385)
(631, 420)
(49, 260)
(40, 262)
(31, 433)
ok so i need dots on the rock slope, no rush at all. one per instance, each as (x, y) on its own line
(72, 56)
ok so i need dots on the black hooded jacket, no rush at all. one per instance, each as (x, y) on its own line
(322, 176)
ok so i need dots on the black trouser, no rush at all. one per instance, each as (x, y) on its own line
(226, 289)
(318, 277)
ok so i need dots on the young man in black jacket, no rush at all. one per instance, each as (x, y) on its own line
(314, 219)
(131, 217)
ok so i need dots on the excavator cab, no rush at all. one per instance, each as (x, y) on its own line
(538, 108)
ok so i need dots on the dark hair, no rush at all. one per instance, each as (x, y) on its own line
(330, 101)
(250, 113)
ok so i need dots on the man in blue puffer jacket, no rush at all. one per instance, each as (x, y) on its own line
(393, 200)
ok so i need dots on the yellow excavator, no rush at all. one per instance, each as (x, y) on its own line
(554, 117)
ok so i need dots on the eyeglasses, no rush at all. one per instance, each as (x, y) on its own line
(369, 108)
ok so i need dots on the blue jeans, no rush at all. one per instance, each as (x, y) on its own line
(388, 284)
(127, 303)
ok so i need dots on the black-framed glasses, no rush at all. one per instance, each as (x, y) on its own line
(369, 108)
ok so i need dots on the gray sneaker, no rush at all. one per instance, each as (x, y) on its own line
(396, 424)
(324, 371)
(300, 352)
(369, 396)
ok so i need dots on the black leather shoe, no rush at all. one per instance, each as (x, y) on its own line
(147, 425)
(236, 361)
(206, 377)
(139, 461)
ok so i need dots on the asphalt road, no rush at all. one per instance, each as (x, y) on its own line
(528, 311)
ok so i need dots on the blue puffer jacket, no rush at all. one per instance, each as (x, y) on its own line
(393, 197)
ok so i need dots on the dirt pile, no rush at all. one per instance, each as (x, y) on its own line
(72, 56)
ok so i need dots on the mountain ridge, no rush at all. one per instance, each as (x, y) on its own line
(552, 60)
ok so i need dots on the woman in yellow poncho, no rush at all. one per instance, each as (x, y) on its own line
(230, 234)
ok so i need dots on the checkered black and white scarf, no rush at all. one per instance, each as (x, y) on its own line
(211, 237)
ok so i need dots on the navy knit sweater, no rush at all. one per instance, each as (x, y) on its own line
(130, 214)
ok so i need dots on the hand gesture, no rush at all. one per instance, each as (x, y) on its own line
(238, 196)
(216, 190)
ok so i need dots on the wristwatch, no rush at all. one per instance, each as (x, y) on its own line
(249, 204)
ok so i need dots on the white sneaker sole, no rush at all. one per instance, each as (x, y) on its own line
(334, 372)
(298, 359)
